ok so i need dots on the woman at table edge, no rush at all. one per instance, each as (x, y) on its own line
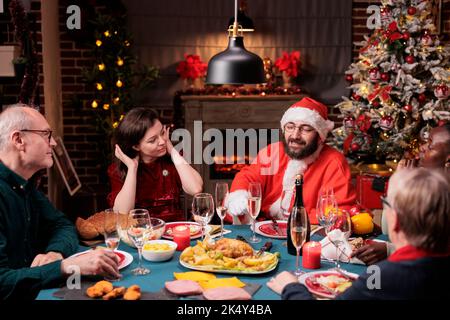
(419, 227)
(144, 171)
(435, 153)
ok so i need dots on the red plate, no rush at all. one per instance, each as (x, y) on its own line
(120, 256)
(270, 230)
(319, 290)
(170, 225)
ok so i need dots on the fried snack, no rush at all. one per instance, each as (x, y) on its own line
(99, 289)
(86, 229)
(356, 243)
(132, 293)
(114, 294)
(232, 248)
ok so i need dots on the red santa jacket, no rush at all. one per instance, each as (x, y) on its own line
(273, 168)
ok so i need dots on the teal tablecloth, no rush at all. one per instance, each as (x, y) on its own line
(163, 271)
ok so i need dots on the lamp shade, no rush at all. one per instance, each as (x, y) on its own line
(235, 65)
(243, 20)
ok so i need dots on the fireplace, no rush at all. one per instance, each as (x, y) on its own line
(247, 117)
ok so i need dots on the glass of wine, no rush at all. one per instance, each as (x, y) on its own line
(202, 210)
(139, 229)
(111, 234)
(221, 209)
(254, 205)
(287, 202)
(299, 231)
(338, 231)
(326, 203)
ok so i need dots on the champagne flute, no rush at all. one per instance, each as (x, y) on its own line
(139, 228)
(221, 209)
(338, 231)
(254, 205)
(202, 210)
(111, 234)
(299, 229)
(287, 202)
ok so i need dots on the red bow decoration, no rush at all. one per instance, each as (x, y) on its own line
(289, 63)
(380, 91)
(393, 32)
(192, 67)
(363, 122)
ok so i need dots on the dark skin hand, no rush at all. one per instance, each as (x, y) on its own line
(371, 253)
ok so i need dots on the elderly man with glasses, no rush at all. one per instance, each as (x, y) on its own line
(35, 238)
(303, 151)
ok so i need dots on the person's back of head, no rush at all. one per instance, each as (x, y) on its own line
(421, 199)
(15, 117)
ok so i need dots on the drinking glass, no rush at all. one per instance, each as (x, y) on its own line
(338, 231)
(287, 202)
(203, 210)
(221, 209)
(299, 229)
(326, 203)
(111, 234)
(139, 230)
(254, 205)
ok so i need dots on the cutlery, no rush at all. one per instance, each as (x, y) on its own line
(329, 290)
(275, 226)
(342, 273)
(265, 247)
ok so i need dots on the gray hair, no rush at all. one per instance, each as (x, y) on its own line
(14, 117)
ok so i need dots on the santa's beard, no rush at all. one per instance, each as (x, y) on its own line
(306, 151)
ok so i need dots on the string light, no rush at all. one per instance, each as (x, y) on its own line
(115, 124)
(127, 43)
(107, 34)
(99, 86)
(119, 62)
(106, 106)
(263, 93)
(98, 43)
(94, 104)
(119, 84)
(116, 100)
(121, 117)
(101, 66)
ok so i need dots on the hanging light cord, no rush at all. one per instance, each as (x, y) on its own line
(235, 24)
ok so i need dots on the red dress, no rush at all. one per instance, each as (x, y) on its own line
(158, 189)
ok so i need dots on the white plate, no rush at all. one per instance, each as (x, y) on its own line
(126, 260)
(268, 223)
(218, 270)
(303, 277)
(170, 225)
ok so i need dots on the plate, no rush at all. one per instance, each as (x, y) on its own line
(196, 230)
(307, 279)
(218, 270)
(266, 229)
(124, 257)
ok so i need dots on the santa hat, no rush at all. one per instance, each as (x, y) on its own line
(310, 112)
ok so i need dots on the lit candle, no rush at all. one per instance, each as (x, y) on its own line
(182, 237)
(311, 255)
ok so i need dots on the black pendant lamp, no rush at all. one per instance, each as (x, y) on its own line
(235, 65)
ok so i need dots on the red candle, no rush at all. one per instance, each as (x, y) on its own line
(311, 255)
(182, 237)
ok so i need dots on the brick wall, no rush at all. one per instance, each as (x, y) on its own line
(79, 133)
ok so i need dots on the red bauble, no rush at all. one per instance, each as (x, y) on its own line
(349, 78)
(385, 76)
(422, 98)
(386, 123)
(409, 59)
(408, 108)
(406, 35)
(412, 11)
(354, 210)
(355, 146)
(356, 97)
(375, 103)
(441, 91)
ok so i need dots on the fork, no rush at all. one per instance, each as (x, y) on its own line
(275, 225)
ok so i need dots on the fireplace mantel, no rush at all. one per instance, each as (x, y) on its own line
(228, 112)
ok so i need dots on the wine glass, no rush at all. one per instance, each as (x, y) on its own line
(338, 231)
(221, 209)
(254, 205)
(326, 203)
(287, 202)
(139, 230)
(203, 209)
(299, 229)
(111, 234)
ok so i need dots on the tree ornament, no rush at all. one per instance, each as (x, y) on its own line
(408, 108)
(406, 35)
(425, 133)
(426, 40)
(355, 96)
(375, 103)
(385, 77)
(374, 74)
(441, 91)
(422, 98)
(355, 146)
(349, 122)
(386, 123)
(363, 122)
(384, 136)
(349, 78)
(412, 11)
(410, 59)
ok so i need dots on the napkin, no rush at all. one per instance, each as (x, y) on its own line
(345, 248)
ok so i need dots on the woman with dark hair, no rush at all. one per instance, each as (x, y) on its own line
(149, 173)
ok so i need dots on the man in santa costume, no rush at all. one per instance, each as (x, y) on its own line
(305, 126)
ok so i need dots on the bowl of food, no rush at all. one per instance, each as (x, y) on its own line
(158, 250)
(158, 229)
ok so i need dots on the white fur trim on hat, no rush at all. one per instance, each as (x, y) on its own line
(309, 117)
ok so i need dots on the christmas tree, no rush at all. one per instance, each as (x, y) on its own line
(400, 85)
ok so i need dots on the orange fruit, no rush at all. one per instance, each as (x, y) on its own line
(362, 223)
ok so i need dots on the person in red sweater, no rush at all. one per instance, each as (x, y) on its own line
(302, 150)
(149, 173)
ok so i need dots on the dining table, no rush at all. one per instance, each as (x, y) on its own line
(161, 272)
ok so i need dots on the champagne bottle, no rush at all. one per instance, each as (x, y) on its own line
(298, 206)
